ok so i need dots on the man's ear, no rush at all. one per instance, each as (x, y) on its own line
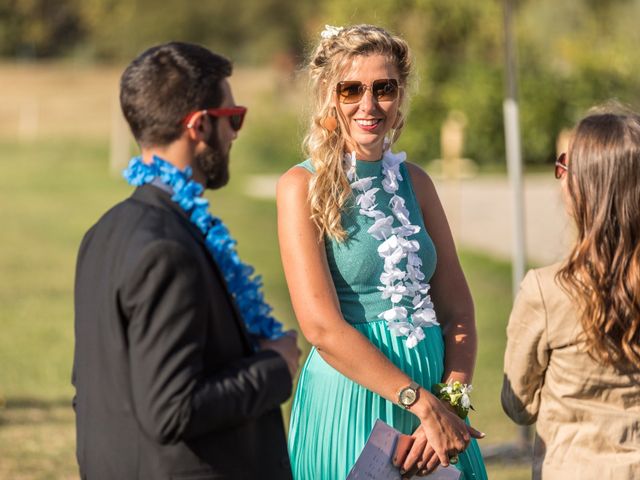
(195, 127)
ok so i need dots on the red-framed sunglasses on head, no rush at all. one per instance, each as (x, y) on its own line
(561, 165)
(235, 114)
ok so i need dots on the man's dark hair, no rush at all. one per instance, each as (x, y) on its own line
(167, 82)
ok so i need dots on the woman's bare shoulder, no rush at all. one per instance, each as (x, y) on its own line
(294, 181)
(422, 183)
(418, 175)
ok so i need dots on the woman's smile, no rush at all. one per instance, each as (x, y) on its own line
(368, 125)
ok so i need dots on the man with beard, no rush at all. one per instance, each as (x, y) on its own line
(179, 368)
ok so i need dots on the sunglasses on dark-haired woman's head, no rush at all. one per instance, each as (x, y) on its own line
(235, 114)
(382, 90)
(561, 165)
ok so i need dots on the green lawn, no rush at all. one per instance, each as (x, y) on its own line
(50, 193)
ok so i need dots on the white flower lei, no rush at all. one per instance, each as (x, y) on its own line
(395, 246)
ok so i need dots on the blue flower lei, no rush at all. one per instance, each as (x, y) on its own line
(187, 194)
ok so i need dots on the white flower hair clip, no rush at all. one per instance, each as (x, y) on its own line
(330, 31)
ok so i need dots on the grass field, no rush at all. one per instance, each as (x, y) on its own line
(51, 191)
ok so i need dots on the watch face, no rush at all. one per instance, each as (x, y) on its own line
(408, 396)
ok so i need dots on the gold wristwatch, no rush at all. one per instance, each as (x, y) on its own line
(408, 395)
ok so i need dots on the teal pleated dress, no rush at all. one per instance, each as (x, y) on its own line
(332, 416)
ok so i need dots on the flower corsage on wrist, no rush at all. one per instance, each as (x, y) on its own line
(457, 394)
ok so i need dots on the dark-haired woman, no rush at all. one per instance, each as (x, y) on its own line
(573, 352)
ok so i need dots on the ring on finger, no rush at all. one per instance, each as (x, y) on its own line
(453, 459)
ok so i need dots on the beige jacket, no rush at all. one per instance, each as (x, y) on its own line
(588, 415)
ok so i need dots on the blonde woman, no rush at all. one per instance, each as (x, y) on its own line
(573, 353)
(373, 273)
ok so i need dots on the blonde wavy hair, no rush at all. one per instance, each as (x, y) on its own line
(329, 189)
(602, 272)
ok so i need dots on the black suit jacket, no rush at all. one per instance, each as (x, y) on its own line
(167, 383)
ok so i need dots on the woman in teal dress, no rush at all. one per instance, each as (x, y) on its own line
(373, 273)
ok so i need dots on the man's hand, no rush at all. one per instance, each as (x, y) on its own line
(287, 347)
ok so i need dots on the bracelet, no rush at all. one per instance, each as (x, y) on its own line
(457, 394)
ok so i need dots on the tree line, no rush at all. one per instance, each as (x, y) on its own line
(571, 54)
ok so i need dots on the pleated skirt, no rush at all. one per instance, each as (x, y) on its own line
(332, 416)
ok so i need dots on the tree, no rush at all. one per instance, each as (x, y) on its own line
(39, 28)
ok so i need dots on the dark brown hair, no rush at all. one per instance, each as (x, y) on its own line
(167, 82)
(603, 269)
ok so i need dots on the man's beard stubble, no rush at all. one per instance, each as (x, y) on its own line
(214, 164)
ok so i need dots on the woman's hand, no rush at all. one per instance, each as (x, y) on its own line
(447, 433)
(441, 435)
(414, 455)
